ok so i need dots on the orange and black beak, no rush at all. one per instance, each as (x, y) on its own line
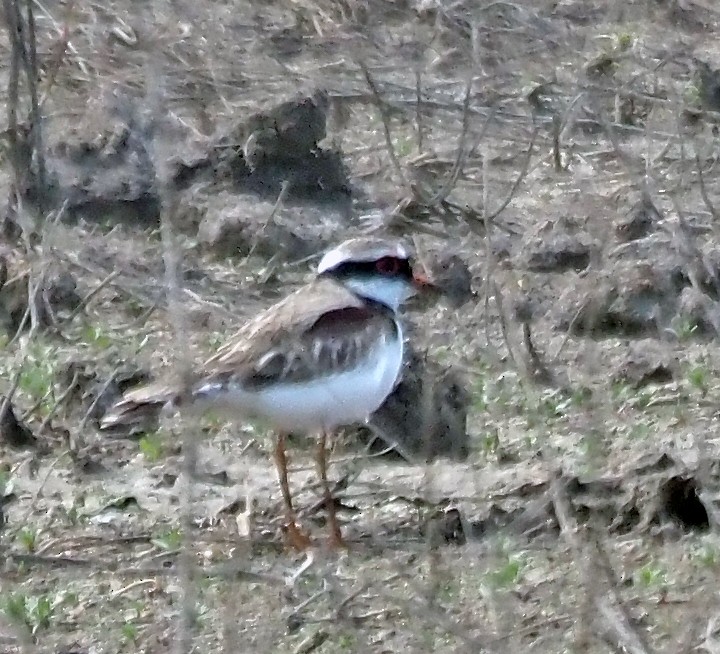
(426, 292)
(422, 283)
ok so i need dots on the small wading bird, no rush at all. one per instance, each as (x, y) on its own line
(326, 356)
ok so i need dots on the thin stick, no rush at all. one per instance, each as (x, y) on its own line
(96, 401)
(418, 110)
(13, 387)
(21, 327)
(705, 197)
(13, 89)
(380, 104)
(31, 72)
(59, 402)
(518, 180)
(284, 190)
(92, 293)
(459, 162)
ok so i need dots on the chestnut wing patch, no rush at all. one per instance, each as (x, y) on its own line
(342, 320)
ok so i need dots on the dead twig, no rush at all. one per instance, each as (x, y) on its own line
(510, 345)
(538, 368)
(418, 111)
(23, 322)
(57, 57)
(7, 398)
(13, 96)
(181, 361)
(59, 402)
(556, 150)
(25, 147)
(98, 397)
(385, 117)
(137, 294)
(32, 74)
(38, 403)
(461, 155)
(92, 293)
(312, 642)
(282, 196)
(518, 180)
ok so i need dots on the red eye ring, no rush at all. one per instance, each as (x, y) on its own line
(388, 265)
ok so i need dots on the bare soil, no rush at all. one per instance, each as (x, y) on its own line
(584, 516)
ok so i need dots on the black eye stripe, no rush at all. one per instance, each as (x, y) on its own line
(403, 268)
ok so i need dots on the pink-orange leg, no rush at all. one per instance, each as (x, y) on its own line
(296, 538)
(335, 539)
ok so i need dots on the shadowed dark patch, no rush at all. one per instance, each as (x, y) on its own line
(683, 505)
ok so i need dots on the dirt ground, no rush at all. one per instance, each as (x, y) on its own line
(573, 146)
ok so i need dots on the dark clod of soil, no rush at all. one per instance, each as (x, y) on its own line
(640, 221)
(57, 293)
(556, 249)
(603, 502)
(231, 232)
(298, 125)
(453, 276)
(14, 432)
(667, 491)
(62, 292)
(445, 528)
(637, 299)
(708, 85)
(499, 518)
(679, 498)
(697, 313)
(276, 146)
(417, 431)
(644, 364)
(107, 174)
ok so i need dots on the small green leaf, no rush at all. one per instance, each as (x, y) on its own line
(650, 576)
(129, 631)
(507, 575)
(151, 447)
(169, 541)
(28, 538)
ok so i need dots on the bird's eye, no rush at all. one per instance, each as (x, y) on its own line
(388, 265)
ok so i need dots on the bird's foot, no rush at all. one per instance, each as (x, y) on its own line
(335, 539)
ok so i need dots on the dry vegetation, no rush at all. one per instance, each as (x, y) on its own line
(565, 151)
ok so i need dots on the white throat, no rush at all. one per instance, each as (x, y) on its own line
(391, 292)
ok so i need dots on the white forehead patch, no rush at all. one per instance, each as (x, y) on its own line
(352, 251)
(330, 260)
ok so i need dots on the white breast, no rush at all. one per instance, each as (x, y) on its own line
(325, 403)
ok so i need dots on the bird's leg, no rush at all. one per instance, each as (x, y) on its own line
(295, 536)
(336, 539)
